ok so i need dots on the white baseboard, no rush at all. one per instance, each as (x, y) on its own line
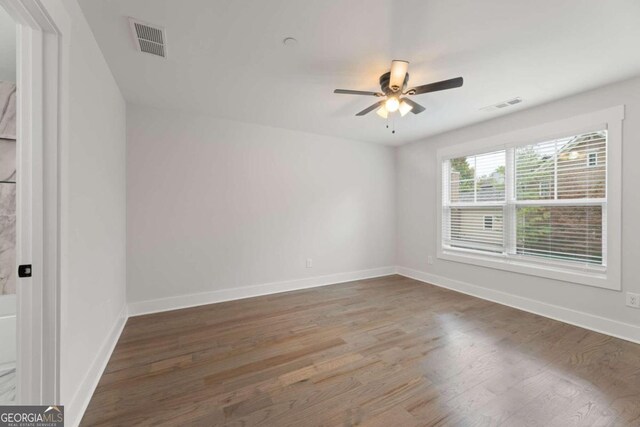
(203, 298)
(74, 410)
(603, 325)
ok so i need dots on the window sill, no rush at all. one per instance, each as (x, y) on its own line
(596, 277)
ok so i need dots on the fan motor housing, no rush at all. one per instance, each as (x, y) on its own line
(384, 83)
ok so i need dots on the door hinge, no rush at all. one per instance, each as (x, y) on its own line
(24, 270)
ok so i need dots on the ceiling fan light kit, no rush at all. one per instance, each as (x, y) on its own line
(392, 104)
(382, 112)
(395, 93)
(404, 108)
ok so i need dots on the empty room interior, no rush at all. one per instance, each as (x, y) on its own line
(320, 213)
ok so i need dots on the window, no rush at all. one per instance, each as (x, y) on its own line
(544, 206)
(555, 208)
(488, 222)
(544, 189)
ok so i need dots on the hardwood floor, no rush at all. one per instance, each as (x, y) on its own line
(381, 352)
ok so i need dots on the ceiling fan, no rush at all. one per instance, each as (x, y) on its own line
(394, 85)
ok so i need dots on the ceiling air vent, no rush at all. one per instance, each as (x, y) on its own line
(503, 104)
(148, 38)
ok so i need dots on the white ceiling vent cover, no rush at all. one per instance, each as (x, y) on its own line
(503, 104)
(148, 38)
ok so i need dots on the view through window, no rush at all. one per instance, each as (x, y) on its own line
(541, 201)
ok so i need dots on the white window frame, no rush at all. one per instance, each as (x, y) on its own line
(608, 276)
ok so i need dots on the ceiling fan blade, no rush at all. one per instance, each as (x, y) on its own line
(397, 75)
(357, 92)
(434, 87)
(370, 109)
(417, 108)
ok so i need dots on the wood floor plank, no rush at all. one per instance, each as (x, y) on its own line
(389, 351)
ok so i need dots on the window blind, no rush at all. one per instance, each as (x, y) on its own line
(540, 201)
(476, 191)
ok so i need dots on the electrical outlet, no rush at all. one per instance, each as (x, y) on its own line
(633, 300)
(430, 260)
(309, 263)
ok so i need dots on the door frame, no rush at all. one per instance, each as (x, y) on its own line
(43, 30)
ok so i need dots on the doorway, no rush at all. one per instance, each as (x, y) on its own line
(8, 266)
(40, 108)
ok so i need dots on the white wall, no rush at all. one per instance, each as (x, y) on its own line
(93, 230)
(417, 204)
(215, 204)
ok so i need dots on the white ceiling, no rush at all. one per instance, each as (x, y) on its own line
(226, 57)
(7, 47)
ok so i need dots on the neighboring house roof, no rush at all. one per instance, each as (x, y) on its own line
(568, 147)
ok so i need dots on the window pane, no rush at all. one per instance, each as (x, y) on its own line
(571, 233)
(476, 228)
(582, 168)
(565, 168)
(535, 174)
(462, 179)
(478, 178)
(488, 222)
(490, 176)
